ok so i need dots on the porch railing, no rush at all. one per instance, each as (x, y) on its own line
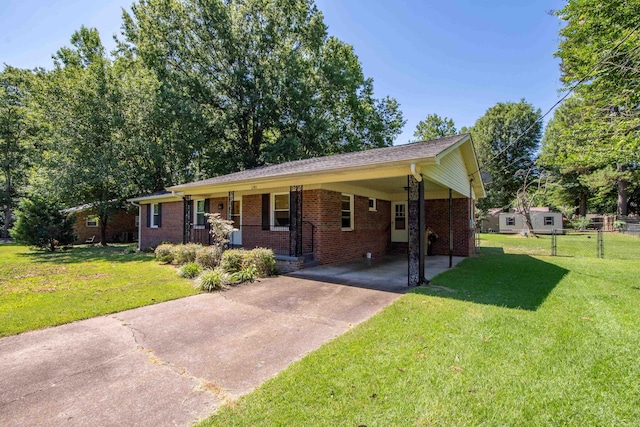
(274, 237)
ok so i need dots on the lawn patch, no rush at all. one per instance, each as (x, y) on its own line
(40, 289)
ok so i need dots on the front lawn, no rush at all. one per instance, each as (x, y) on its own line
(40, 289)
(510, 337)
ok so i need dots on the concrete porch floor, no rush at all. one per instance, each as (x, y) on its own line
(388, 273)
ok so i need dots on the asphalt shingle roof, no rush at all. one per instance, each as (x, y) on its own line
(415, 150)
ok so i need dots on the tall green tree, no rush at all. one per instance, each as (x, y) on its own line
(82, 102)
(434, 127)
(42, 224)
(600, 56)
(262, 76)
(16, 132)
(506, 139)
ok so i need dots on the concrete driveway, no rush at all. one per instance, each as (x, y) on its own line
(175, 362)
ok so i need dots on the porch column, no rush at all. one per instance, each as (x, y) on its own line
(295, 220)
(188, 218)
(416, 222)
(450, 228)
(230, 205)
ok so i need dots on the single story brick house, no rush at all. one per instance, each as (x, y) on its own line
(122, 226)
(335, 208)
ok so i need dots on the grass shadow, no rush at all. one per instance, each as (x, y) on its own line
(495, 278)
(80, 254)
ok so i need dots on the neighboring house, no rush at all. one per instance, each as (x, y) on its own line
(122, 226)
(334, 208)
(491, 222)
(542, 221)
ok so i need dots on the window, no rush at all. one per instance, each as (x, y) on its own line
(548, 220)
(373, 205)
(347, 212)
(92, 221)
(400, 217)
(280, 212)
(137, 221)
(155, 215)
(198, 214)
(511, 220)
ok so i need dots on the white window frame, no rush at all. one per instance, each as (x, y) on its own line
(154, 207)
(373, 207)
(396, 217)
(95, 222)
(195, 214)
(350, 196)
(274, 227)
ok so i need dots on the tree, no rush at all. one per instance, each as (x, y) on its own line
(506, 139)
(16, 128)
(263, 79)
(434, 127)
(534, 187)
(82, 103)
(42, 224)
(600, 57)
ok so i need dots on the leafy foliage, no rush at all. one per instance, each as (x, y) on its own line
(165, 253)
(262, 79)
(220, 229)
(42, 224)
(232, 260)
(189, 270)
(434, 127)
(262, 259)
(213, 280)
(209, 256)
(501, 153)
(184, 254)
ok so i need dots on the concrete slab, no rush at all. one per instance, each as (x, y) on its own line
(175, 362)
(388, 273)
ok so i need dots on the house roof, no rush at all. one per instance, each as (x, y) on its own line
(373, 157)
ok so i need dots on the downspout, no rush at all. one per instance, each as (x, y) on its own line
(415, 171)
(139, 223)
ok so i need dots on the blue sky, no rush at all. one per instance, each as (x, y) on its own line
(456, 58)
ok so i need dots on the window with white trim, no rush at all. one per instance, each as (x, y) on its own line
(198, 214)
(347, 212)
(280, 211)
(511, 220)
(373, 204)
(155, 215)
(92, 220)
(548, 220)
(400, 216)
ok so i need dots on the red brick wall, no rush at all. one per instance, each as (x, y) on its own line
(371, 233)
(119, 223)
(437, 218)
(171, 226)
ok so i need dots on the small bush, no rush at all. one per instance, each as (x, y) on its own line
(129, 250)
(189, 271)
(209, 256)
(165, 253)
(212, 280)
(247, 274)
(231, 261)
(184, 254)
(262, 259)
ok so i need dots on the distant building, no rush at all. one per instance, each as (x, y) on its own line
(122, 226)
(542, 221)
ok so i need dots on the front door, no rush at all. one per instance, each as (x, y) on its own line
(399, 229)
(235, 239)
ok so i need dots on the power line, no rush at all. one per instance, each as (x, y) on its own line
(569, 92)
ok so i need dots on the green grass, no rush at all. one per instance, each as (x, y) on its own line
(40, 289)
(509, 337)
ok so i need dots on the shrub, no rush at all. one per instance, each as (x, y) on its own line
(212, 280)
(209, 256)
(231, 261)
(40, 223)
(165, 253)
(184, 254)
(247, 274)
(129, 250)
(262, 259)
(189, 271)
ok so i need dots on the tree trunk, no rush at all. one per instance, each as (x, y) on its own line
(622, 192)
(583, 205)
(103, 229)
